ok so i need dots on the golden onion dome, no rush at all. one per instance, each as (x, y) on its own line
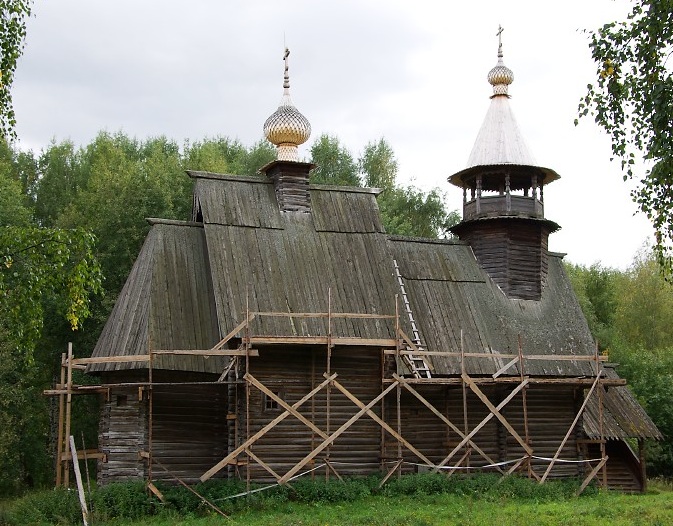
(287, 128)
(500, 76)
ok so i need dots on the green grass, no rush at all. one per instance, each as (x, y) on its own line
(425, 500)
(651, 509)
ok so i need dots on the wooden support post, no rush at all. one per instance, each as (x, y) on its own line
(495, 411)
(398, 391)
(464, 387)
(390, 472)
(524, 403)
(68, 414)
(604, 471)
(247, 387)
(328, 399)
(60, 446)
(150, 404)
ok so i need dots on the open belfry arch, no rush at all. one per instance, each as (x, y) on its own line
(281, 332)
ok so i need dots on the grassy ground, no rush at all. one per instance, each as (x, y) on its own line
(652, 509)
(417, 502)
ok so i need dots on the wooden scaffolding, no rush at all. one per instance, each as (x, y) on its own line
(399, 348)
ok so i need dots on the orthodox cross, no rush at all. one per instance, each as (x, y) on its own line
(286, 84)
(499, 35)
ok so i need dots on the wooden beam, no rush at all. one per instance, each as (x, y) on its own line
(209, 352)
(88, 454)
(112, 359)
(391, 472)
(259, 461)
(231, 456)
(611, 382)
(320, 340)
(326, 443)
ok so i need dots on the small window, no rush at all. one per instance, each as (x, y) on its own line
(122, 400)
(269, 403)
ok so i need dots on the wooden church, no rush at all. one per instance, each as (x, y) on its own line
(281, 332)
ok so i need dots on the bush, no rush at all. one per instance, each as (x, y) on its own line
(57, 507)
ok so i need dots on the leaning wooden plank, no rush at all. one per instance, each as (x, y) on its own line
(231, 456)
(391, 472)
(262, 463)
(80, 486)
(156, 491)
(496, 412)
(326, 443)
(505, 367)
(570, 430)
(591, 475)
(233, 332)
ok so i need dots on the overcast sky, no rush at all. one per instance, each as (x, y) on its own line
(413, 72)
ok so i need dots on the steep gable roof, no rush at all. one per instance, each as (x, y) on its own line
(193, 282)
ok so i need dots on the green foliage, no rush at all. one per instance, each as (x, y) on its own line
(411, 212)
(36, 263)
(405, 211)
(630, 314)
(645, 307)
(378, 165)
(131, 501)
(335, 164)
(330, 491)
(222, 155)
(128, 500)
(58, 507)
(632, 100)
(596, 290)
(650, 376)
(13, 14)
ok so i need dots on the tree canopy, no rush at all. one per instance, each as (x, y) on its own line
(13, 14)
(629, 313)
(405, 210)
(632, 100)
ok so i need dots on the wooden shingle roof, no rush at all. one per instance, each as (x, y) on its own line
(194, 282)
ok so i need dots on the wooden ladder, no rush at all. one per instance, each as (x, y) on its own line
(417, 364)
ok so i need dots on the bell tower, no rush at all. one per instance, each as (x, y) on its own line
(503, 198)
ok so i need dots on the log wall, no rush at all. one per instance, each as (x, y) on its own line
(293, 372)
